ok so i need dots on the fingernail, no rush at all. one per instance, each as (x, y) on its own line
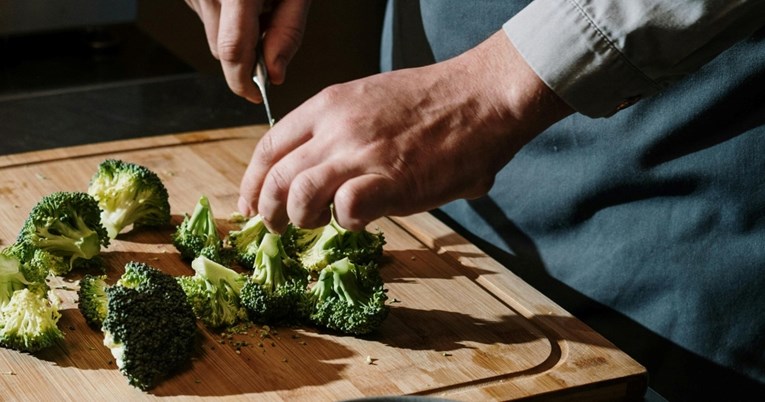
(244, 207)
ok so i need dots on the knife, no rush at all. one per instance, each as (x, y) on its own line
(260, 78)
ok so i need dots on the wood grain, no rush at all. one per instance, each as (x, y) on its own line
(461, 326)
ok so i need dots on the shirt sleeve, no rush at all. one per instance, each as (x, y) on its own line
(600, 56)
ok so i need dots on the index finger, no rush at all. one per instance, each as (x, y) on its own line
(277, 142)
(238, 35)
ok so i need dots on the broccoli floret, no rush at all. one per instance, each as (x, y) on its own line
(149, 327)
(316, 248)
(28, 319)
(246, 240)
(16, 275)
(29, 322)
(213, 293)
(68, 226)
(198, 234)
(275, 289)
(92, 301)
(129, 194)
(347, 298)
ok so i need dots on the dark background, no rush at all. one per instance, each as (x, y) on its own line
(153, 74)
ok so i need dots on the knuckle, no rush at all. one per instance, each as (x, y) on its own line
(230, 50)
(277, 182)
(302, 192)
(265, 151)
(348, 204)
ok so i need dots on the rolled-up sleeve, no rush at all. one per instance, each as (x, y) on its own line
(600, 56)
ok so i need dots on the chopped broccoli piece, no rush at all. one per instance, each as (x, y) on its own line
(129, 194)
(11, 277)
(149, 327)
(275, 289)
(347, 298)
(16, 275)
(67, 225)
(198, 234)
(29, 322)
(213, 292)
(92, 299)
(246, 240)
(28, 319)
(316, 248)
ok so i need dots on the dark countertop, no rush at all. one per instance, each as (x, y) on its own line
(94, 84)
(121, 110)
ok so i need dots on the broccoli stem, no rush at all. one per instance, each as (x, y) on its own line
(268, 270)
(339, 278)
(201, 220)
(218, 274)
(345, 283)
(114, 220)
(80, 241)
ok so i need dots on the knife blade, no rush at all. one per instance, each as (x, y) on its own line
(260, 78)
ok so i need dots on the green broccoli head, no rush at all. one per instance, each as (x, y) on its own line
(11, 278)
(198, 234)
(316, 248)
(66, 225)
(15, 274)
(213, 292)
(149, 327)
(129, 194)
(92, 301)
(275, 289)
(246, 240)
(29, 322)
(347, 298)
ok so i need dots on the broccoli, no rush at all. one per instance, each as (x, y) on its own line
(316, 248)
(275, 289)
(67, 225)
(213, 292)
(29, 321)
(347, 298)
(92, 301)
(129, 194)
(16, 275)
(149, 326)
(198, 234)
(246, 240)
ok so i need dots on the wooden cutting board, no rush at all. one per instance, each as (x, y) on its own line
(461, 326)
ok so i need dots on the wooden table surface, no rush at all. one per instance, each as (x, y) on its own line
(461, 326)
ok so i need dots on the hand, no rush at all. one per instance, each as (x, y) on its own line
(400, 142)
(233, 29)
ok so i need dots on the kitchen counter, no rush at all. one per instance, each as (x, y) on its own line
(120, 110)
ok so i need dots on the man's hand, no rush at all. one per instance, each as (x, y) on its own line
(233, 28)
(400, 142)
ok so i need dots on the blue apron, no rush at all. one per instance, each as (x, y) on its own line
(649, 226)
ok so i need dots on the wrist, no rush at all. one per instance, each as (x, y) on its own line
(523, 104)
